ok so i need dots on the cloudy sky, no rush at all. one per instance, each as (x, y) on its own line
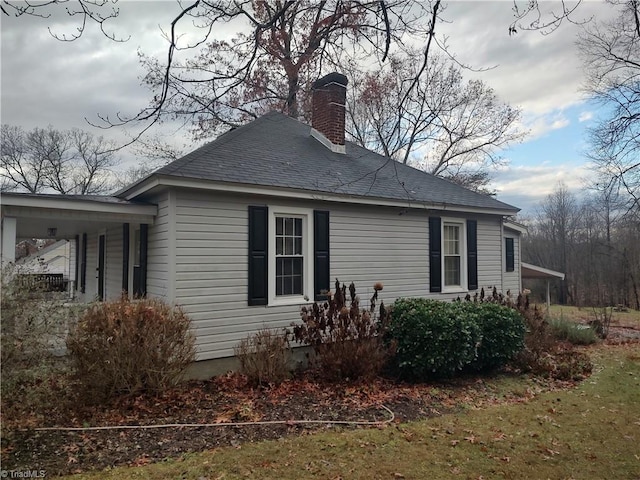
(63, 84)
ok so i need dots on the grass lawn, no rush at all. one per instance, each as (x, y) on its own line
(630, 318)
(588, 432)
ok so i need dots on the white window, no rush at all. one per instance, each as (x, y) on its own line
(289, 256)
(453, 256)
(290, 251)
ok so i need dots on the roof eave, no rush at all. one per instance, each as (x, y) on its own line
(76, 204)
(160, 181)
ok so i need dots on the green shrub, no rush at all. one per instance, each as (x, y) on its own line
(264, 357)
(433, 338)
(502, 331)
(128, 347)
(572, 332)
(348, 342)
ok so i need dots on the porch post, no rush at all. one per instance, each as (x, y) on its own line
(548, 297)
(144, 238)
(125, 258)
(9, 225)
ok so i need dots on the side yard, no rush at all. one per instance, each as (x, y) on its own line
(588, 431)
(478, 388)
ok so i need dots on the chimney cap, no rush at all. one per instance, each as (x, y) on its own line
(333, 77)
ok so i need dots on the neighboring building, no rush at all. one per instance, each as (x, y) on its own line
(246, 229)
(56, 258)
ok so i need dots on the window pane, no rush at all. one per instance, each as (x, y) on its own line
(279, 228)
(297, 266)
(279, 246)
(288, 226)
(451, 271)
(289, 276)
(298, 227)
(279, 286)
(451, 234)
(288, 246)
(297, 285)
(298, 246)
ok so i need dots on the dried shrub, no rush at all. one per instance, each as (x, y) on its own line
(32, 333)
(538, 342)
(264, 357)
(571, 365)
(347, 341)
(544, 354)
(129, 347)
(602, 320)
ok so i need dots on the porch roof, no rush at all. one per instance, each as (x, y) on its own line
(533, 271)
(70, 215)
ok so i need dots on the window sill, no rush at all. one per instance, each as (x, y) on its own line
(292, 300)
(458, 290)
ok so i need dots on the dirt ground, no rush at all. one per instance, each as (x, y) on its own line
(229, 399)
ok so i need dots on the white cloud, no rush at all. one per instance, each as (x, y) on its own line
(525, 186)
(585, 116)
(538, 73)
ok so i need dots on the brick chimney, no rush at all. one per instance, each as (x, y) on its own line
(328, 110)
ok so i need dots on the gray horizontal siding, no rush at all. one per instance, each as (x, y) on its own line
(158, 252)
(489, 253)
(368, 245)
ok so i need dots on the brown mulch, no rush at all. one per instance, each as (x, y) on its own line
(227, 399)
(222, 400)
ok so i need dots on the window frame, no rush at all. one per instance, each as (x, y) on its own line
(509, 265)
(461, 224)
(306, 215)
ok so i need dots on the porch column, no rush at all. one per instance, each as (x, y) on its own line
(8, 240)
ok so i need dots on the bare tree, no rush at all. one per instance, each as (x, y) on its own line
(94, 159)
(86, 11)
(446, 125)
(270, 64)
(593, 242)
(611, 55)
(151, 153)
(558, 222)
(67, 162)
(213, 83)
(23, 166)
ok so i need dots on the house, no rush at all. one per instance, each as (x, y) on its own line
(244, 230)
(51, 264)
(55, 258)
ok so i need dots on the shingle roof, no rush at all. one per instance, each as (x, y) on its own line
(278, 151)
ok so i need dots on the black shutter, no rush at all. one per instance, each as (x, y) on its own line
(125, 257)
(258, 257)
(320, 254)
(77, 269)
(102, 253)
(472, 254)
(435, 254)
(144, 237)
(510, 254)
(83, 265)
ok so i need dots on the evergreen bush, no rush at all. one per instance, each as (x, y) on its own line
(433, 338)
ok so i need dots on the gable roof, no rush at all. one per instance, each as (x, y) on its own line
(278, 151)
